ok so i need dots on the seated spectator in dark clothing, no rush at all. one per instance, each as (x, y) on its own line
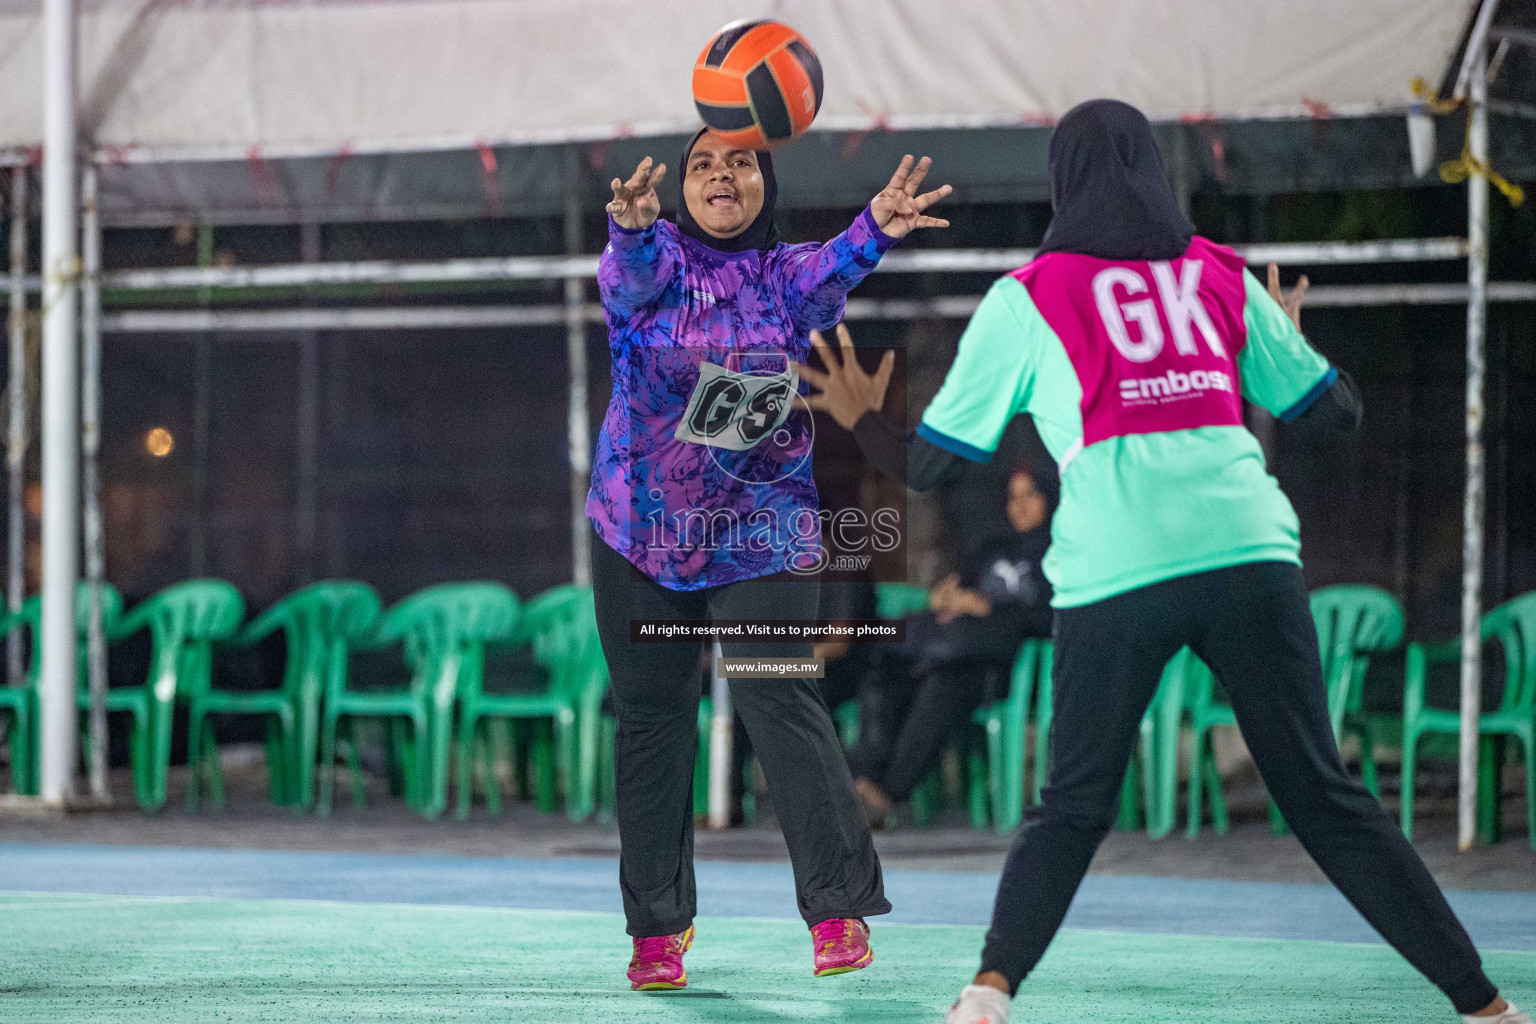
(847, 663)
(958, 654)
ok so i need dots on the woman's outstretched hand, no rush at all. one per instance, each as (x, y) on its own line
(847, 392)
(635, 204)
(898, 209)
(1290, 303)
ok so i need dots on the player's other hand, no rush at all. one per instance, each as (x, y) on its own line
(635, 204)
(898, 209)
(846, 391)
(1290, 303)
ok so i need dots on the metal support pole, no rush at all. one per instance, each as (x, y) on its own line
(1472, 508)
(307, 425)
(337, 461)
(61, 395)
(577, 429)
(202, 373)
(16, 437)
(721, 737)
(90, 444)
(1180, 173)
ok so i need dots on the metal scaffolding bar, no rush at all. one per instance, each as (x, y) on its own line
(306, 511)
(1476, 70)
(948, 307)
(722, 737)
(549, 268)
(61, 394)
(16, 435)
(90, 449)
(578, 433)
(202, 415)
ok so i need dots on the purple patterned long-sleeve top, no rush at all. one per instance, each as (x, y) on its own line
(703, 468)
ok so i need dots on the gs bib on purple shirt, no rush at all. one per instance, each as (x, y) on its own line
(702, 474)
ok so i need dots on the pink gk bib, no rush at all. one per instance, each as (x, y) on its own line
(1154, 343)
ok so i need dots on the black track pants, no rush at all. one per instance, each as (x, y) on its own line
(655, 690)
(1251, 625)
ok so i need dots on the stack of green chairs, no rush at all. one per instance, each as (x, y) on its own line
(1353, 623)
(1207, 710)
(19, 705)
(560, 625)
(1157, 769)
(898, 600)
(1145, 788)
(443, 631)
(319, 622)
(1512, 626)
(1005, 725)
(22, 701)
(184, 621)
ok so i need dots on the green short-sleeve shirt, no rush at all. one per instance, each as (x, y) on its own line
(1144, 507)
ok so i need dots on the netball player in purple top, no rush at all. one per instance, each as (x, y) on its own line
(705, 509)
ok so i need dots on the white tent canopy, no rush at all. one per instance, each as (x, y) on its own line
(208, 79)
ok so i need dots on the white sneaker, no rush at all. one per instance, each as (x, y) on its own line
(981, 1004)
(1512, 1015)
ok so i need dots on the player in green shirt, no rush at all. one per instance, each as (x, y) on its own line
(1132, 342)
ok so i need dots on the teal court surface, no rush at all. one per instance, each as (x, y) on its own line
(171, 935)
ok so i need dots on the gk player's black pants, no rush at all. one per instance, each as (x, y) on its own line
(655, 692)
(1251, 624)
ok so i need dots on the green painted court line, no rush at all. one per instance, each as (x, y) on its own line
(168, 962)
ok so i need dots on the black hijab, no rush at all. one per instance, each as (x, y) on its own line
(1108, 195)
(762, 234)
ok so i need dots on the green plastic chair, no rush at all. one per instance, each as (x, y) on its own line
(898, 600)
(1143, 789)
(560, 625)
(19, 705)
(21, 701)
(1005, 725)
(1207, 710)
(1512, 626)
(1353, 622)
(443, 631)
(184, 621)
(1158, 766)
(318, 621)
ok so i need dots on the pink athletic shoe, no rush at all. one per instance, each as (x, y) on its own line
(841, 945)
(658, 962)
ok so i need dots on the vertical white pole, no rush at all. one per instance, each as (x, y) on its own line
(16, 436)
(202, 383)
(307, 424)
(90, 439)
(721, 738)
(577, 430)
(61, 414)
(1472, 510)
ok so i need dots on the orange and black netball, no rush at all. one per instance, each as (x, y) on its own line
(757, 83)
